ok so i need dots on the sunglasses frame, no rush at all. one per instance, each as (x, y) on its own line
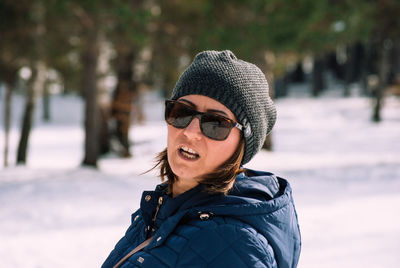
(199, 116)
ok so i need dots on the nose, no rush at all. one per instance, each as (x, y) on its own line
(193, 131)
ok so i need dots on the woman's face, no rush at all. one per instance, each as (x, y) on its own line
(209, 154)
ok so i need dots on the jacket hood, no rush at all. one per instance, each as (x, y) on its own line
(265, 202)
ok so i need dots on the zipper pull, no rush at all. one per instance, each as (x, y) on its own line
(160, 200)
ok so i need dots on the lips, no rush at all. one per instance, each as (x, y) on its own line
(188, 153)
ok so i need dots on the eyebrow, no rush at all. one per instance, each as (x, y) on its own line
(208, 110)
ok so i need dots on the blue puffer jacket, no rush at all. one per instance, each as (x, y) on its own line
(255, 225)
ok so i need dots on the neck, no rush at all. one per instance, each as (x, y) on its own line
(182, 185)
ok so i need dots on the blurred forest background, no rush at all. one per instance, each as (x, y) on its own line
(110, 52)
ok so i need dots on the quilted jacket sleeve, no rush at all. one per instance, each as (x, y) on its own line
(125, 244)
(216, 244)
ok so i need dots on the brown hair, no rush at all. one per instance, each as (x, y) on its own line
(219, 181)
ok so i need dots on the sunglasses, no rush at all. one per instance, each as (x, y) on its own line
(213, 126)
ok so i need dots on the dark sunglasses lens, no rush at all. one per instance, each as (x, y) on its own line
(215, 127)
(178, 114)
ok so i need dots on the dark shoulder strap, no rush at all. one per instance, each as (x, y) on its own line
(133, 251)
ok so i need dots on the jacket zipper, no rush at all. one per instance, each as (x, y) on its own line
(160, 200)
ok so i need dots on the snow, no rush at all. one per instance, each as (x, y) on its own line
(344, 171)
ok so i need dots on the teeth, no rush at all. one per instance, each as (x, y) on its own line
(186, 149)
(189, 155)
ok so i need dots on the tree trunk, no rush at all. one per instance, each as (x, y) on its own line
(121, 106)
(384, 69)
(318, 83)
(38, 80)
(7, 117)
(89, 83)
(26, 126)
(365, 70)
(333, 65)
(46, 104)
(349, 71)
(8, 74)
(354, 66)
(298, 75)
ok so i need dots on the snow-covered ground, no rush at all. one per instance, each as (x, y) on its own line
(344, 171)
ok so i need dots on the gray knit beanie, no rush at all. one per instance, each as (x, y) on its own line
(240, 86)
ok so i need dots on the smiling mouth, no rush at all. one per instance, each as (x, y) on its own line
(188, 153)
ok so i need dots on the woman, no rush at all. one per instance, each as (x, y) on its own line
(211, 212)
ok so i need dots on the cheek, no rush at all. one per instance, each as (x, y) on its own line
(219, 152)
(171, 139)
(171, 135)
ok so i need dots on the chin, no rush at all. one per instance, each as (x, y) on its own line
(182, 172)
(179, 167)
